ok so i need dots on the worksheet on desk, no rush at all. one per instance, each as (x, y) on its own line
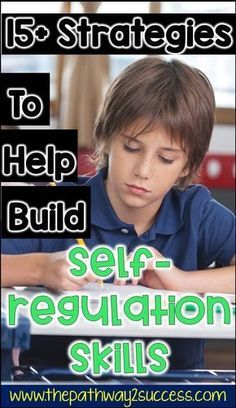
(94, 290)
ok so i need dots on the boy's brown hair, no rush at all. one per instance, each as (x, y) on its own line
(160, 94)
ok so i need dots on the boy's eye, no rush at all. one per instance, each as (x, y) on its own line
(166, 161)
(130, 149)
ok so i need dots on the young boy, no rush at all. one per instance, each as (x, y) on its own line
(151, 136)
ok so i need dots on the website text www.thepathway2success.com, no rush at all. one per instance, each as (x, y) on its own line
(129, 396)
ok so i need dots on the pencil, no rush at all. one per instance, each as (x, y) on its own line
(82, 243)
(79, 240)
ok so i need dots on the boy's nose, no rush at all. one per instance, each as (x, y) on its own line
(144, 169)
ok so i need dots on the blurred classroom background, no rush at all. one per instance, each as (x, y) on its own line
(78, 83)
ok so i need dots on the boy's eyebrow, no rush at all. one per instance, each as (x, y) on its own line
(130, 137)
(168, 149)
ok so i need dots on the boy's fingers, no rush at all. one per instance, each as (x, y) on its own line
(155, 251)
(136, 281)
(151, 264)
(72, 287)
(119, 282)
(72, 283)
(67, 284)
(92, 278)
(123, 282)
(156, 254)
(84, 280)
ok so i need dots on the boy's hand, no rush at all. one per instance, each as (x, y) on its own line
(161, 278)
(55, 274)
(149, 277)
(158, 278)
(122, 282)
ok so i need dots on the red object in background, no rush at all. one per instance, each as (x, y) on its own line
(217, 171)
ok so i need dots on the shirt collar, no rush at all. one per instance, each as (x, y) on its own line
(170, 217)
(102, 213)
(168, 221)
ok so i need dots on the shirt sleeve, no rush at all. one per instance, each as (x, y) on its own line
(12, 246)
(216, 240)
(25, 246)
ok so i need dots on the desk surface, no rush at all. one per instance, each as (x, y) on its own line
(132, 329)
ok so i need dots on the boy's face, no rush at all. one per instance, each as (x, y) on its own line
(143, 169)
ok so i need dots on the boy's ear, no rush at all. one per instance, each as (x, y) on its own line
(184, 172)
(106, 148)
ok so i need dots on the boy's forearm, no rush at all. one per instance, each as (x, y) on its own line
(221, 280)
(22, 270)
